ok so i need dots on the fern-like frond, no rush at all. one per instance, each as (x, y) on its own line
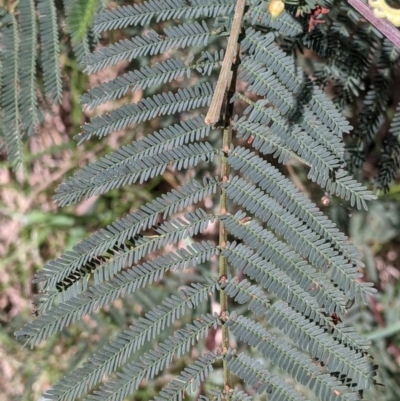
(261, 380)
(273, 280)
(50, 49)
(82, 49)
(264, 82)
(349, 61)
(170, 232)
(338, 359)
(176, 229)
(391, 51)
(289, 359)
(122, 230)
(243, 292)
(303, 240)
(207, 61)
(152, 362)
(371, 115)
(308, 122)
(63, 315)
(129, 280)
(278, 186)
(143, 13)
(147, 76)
(190, 378)
(390, 163)
(118, 167)
(151, 43)
(341, 185)
(10, 91)
(268, 142)
(90, 181)
(285, 24)
(322, 161)
(28, 101)
(279, 253)
(166, 71)
(285, 224)
(129, 380)
(103, 362)
(320, 132)
(353, 80)
(264, 50)
(324, 45)
(346, 187)
(146, 109)
(327, 112)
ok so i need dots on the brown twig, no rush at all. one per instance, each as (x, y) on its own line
(214, 112)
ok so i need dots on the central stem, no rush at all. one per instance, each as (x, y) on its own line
(223, 235)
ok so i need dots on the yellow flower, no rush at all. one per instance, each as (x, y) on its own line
(276, 8)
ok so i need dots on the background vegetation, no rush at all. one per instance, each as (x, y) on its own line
(33, 230)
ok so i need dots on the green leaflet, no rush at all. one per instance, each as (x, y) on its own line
(11, 118)
(50, 49)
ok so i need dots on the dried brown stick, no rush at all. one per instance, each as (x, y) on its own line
(214, 112)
